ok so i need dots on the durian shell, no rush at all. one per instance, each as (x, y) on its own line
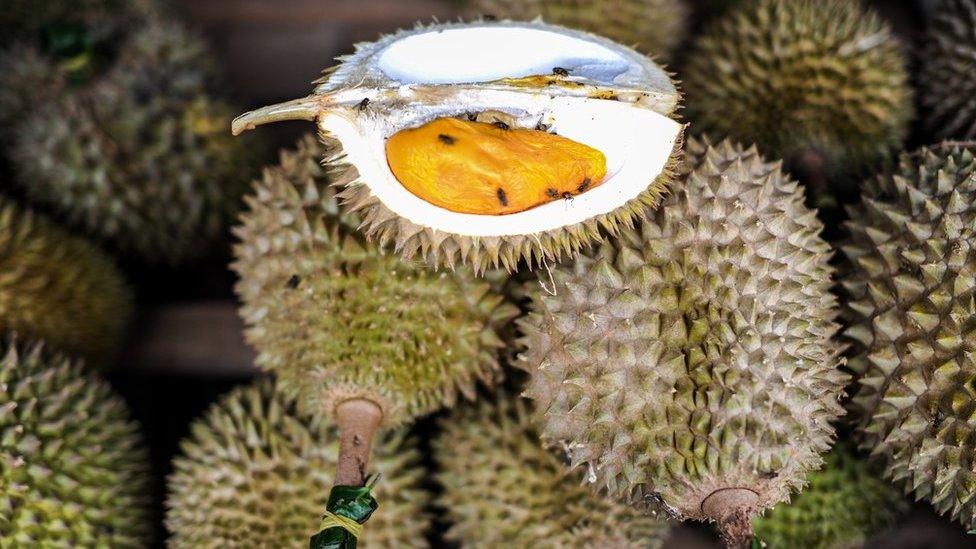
(256, 472)
(947, 67)
(845, 503)
(502, 488)
(140, 157)
(696, 352)
(654, 27)
(73, 469)
(911, 286)
(59, 288)
(822, 84)
(335, 318)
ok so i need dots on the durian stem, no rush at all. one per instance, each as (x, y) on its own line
(732, 510)
(305, 108)
(358, 421)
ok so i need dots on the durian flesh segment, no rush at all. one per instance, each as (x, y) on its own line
(481, 168)
(636, 142)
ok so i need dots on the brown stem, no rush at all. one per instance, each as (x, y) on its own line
(358, 421)
(732, 510)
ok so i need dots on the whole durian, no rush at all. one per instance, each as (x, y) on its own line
(26, 19)
(948, 71)
(59, 288)
(502, 488)
(138, 156)
(335, 318)
(845, 502)
(691, 362)
(256, 472)
(73, 470)
(820, 83)
(513, 143)
(651, 26)
(911, 284)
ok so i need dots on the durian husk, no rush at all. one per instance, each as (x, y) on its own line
(844, 503)
(947, 65)
(911, 281)
(502, 488)
(692, 361)
(73, 469)
(337, 319)
(140, 156)
(256, 472)
(59, 288)
(653, 27)
(822, 84)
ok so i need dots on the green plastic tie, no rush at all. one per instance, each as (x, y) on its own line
(348, 508)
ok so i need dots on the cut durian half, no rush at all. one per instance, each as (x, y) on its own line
(540, 80)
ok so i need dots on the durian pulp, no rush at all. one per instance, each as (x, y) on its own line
(608, 98)
(467, 166)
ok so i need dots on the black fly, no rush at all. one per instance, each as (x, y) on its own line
(559, 71)
(501, 196)
(500, 125)
(293, 282)
(363, 104)
(584, 185)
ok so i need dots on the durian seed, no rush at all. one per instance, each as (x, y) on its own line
(490, 172)
(560, 71)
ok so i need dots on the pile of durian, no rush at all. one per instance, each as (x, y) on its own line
(739, 289)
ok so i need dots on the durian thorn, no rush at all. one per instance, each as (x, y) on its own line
(732, 510)
(358, 420)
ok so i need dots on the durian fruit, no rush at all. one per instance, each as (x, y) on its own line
(559, 134)
(691, 362)
(948, 66)
(59, 288)
(845, 503)
(502, 488)
(911, 285)
(139, 155)
(651, 26)
(343, 323)
(73, 469)
(256, 472)
(25, 19)
(819, 83)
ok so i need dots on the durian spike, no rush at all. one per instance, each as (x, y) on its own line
(732, 510)
(358, 421)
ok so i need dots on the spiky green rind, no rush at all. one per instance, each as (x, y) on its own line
(73, 470)
(141, 157)
(256, 472)
(502, 487)
(695, 352)
(59, 288)
(335, 318)
(948, 71)
(911, 307)
(845, 502)
(442, 249)
(652, 26)
(824, 78)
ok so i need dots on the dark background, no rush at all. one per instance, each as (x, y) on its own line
(186, 347)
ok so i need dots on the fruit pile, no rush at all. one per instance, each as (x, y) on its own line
(739, 289)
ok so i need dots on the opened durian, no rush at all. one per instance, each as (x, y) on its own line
(691, 361)
(59, 288)
(491, 142)
(256, 472)
(73, 470)
(820, 83)
(502, 488)
(845, 503)
(136, 154)
(911, 306)
(652, 26)
(341, 322)
(948, 71)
